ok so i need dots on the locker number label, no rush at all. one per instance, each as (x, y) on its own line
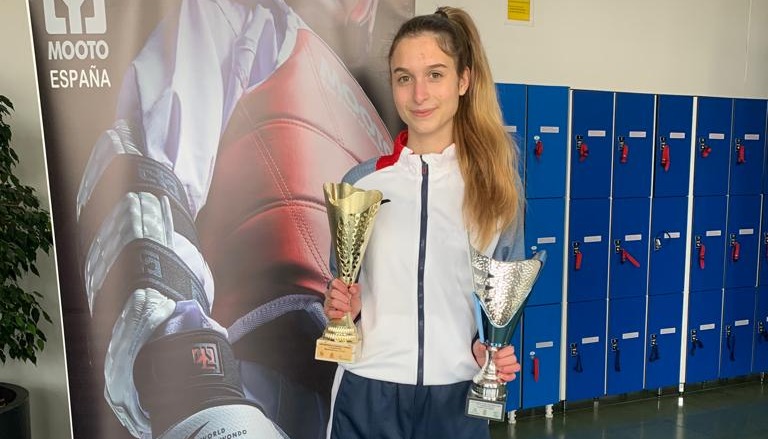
(707, 327)
(637, 134)
(746, 231)
(714, 233)
(596, 133)
(716, 136)
(665, 331)
(590, 340)
(593, 238)
(676, 135)
(546, 240)
(630, 335)
(549, 130)
(544, 344)
(741, 322)
(751, 136)
(635, 237)
(510, 128)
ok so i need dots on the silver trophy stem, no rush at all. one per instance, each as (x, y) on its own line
(487, 384)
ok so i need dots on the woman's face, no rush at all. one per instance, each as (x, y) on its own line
(426, 90)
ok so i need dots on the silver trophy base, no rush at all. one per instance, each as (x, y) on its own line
(487, 397)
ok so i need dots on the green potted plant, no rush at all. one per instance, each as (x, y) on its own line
(25, 228)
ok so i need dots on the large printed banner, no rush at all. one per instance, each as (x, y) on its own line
(187, 142)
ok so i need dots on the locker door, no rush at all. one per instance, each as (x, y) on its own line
(626, 336)
(673, 145)
(708, 243)
(588, 252)
(662, 355)
(629, 247)
(742, 241)
(544, 230)
(763, 246)
(547, 126)
(712, 150)
(513, 387)
(512, 99)
(540, 356)
(761, 331)
(591, 139)
(633, 145)
(737, 333)
(703, 344)
(668, 241)
(585, 369)
(748, 146)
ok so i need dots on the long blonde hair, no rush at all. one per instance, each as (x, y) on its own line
(487, 156)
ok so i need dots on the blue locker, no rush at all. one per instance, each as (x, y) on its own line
(665, 313)
(737, 332)
(591, 144)
(547, 141)
(626, 337)
(512, 101)
(544, 230)
(747, 153)
(760, 363)
(673, 146)
(712, 150)
(588, 252)
(514, 387)
(629, 247)
(762, 253)
(703, 345)
(669, 221)
(708, 243)
(585, 352)
(540, 356)
(742, 241)
(633, 145)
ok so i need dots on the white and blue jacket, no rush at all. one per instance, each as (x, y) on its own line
(417, 320)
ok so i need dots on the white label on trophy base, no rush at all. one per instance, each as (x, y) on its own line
(637, 134)
(716, 136)
(714, 233)
(590, 340)
(707, 327)
(337, 352)
(480, 408)
(544, 344)
(546, 240)
(630, 335)
(593, 238)
(741, 322)
(549, 130)
(665, 331)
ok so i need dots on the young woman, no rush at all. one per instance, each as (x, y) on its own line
(452, 176)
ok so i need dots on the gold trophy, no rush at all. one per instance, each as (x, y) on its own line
(351, 212)
(502, 289)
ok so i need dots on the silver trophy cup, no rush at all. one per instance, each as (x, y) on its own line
(502, 289)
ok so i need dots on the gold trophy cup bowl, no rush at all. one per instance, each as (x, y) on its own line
(351, 213)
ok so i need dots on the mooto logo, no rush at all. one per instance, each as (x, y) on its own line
(55, 25)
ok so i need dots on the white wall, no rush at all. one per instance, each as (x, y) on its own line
(692, 47)
(46, 382)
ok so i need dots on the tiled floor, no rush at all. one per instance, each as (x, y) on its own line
(738, 411)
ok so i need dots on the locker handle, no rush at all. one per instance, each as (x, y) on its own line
(730, 342)
(577, 256)
(582, 148)
(623, 150)
(665, 154)
(535, 368)
(761, 330)
(695, 342)
(538, 149)
(617, 357)
(704, 148)
(741, 152)
(702, 252)
(765, 241)
(735, 249)
(654, 356)
(575, 353)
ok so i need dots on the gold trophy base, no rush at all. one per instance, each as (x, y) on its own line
(336, 351)
(485, 409)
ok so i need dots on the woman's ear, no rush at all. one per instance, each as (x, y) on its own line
(464, 82)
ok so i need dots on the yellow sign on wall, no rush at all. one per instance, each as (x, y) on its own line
(519, 10)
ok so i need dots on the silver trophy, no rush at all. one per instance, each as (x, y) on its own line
(502, 289)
